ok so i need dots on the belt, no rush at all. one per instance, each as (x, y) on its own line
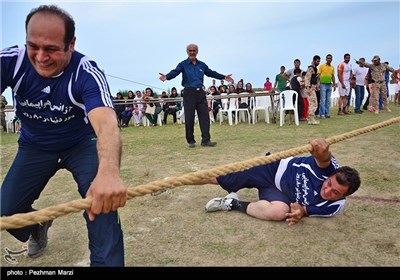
(380, 82)
(193, 88)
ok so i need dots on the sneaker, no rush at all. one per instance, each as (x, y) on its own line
(221, 204)
(38, 240)
(209, 144)
(192, 145)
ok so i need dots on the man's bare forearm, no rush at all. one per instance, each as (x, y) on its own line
(109, 149)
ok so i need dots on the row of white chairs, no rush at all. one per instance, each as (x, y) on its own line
(287, 101)
(10, 115)
(231, 107)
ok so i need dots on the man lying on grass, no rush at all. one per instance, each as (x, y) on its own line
(291, 188)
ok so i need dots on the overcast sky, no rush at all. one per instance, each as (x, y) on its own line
(135, 40)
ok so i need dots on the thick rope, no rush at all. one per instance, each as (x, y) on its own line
(194, 178)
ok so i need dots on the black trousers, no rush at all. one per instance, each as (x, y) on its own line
(365, 107)
(300, 103)
(318, 93)
(194, 99)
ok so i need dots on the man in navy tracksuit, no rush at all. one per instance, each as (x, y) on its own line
(64, 103)
(291, 188)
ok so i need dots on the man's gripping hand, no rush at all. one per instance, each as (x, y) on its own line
(108, 193)
(296, 213)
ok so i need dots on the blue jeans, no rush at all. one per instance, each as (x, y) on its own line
(380, 102)
(349, 97)
(29, 174)
(360, 91)
(325, 99)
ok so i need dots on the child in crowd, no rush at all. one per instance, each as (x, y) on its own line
(17, 125)
(304, 113)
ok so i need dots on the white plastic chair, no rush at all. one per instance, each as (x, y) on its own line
(180, 116)
(10, 121)
(225, 109)
(233, 108)
(244, 112)
(286, 103)
(260, 103)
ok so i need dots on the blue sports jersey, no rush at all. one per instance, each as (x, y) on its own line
(294, 179)
(301, 180)
(54, 111)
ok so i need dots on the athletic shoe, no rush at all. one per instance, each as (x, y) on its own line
(38, 239)
(221, 204)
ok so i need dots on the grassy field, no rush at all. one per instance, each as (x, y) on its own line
(173, 229)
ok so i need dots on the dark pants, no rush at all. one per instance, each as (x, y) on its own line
(365, 106)
(169, 111)
(300, 103)
(318, 93)
(126, 117)
(195, 100)
(261, 177)
(29, 174)
(119, 115)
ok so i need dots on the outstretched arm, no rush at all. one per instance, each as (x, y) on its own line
(107, 189)
(172, 74)
(211, 180)
(229, 78)
(320, 151)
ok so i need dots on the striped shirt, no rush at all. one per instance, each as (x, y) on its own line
(54, 111)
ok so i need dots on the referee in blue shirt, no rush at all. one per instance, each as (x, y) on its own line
(194, 97)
